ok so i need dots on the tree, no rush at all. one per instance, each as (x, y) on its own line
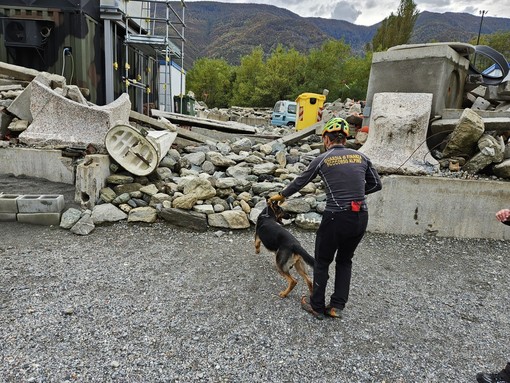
(396, 29)
(325, 69)
(283, 73)
(247, 78)
(211, 81)
(356, 72)
(499, 41)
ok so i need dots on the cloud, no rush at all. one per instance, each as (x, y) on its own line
(344, 10)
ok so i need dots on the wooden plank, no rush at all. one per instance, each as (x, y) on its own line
(206, 123)
(183, 133)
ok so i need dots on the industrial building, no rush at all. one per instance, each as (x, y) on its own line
(106, 48)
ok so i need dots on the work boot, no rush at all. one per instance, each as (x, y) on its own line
(305, 305)
(500, 377)
(333, 312)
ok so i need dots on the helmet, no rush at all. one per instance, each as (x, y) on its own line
(336, 124)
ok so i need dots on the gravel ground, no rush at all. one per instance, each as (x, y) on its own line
(154, 303)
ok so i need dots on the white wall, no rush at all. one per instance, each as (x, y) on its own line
(175, 85)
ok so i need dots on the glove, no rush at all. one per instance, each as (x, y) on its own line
(277, 198)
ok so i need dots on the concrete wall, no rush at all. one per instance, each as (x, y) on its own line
(445, 207)
(41, 163)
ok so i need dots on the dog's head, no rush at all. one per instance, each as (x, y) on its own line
(275, 211)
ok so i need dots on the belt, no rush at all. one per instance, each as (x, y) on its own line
(363, 207)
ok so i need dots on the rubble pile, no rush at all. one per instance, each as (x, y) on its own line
(224, 183)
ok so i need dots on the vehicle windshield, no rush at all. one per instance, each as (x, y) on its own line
(278, 107)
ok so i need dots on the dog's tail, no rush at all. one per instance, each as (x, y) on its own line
(309, 260)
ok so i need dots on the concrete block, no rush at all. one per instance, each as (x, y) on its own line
(8, 203)
(91, 177)
(78, 125)
(480, 104)
(436, 68)
(40, 203)
(7, 217)
(39, 218)
(416, 205)
(41, 163)
(398, 129)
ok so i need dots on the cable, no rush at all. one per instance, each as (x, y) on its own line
(428, 151)
(63, 62)
(67, 52)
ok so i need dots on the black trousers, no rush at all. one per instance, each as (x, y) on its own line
(339, 233)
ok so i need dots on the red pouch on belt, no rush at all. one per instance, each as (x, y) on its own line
(356, 205)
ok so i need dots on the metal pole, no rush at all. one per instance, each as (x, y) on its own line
(481, 12)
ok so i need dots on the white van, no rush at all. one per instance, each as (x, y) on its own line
(284, 113)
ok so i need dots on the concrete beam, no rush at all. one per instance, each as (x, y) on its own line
(498, 124)
(416, 205)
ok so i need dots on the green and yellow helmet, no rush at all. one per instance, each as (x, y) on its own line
(336, 124)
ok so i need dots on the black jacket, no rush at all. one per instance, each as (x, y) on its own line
(348, 176)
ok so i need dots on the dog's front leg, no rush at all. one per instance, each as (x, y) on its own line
(257, 244)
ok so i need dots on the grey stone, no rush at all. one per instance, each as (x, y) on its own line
(69, 218)
(231, 219)
(142, 214)
(465, 136)
(84, 226)
(185, 218)
(107, 213)
(308, 221)
(219, 160)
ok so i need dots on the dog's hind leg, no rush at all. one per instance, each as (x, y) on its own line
(284, 262)
(301, 270)
(292, 283)
(257, 244)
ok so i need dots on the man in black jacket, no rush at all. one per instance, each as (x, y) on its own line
(348, 176)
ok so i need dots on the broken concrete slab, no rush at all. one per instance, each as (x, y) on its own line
(398, 132)
(18, 72)
(91, 176)
(42, 163)
(61, 122)
(20, 107)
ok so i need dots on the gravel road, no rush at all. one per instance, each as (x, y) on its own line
(154, 303)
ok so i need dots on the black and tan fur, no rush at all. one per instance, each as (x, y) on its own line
(289, 252)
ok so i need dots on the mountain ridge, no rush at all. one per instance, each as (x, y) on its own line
(230, 31)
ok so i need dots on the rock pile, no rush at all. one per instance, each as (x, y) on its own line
(222, 186)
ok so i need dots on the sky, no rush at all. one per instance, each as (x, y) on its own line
(370, 12)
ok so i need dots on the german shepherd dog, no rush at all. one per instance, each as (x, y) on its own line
(289, 252)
